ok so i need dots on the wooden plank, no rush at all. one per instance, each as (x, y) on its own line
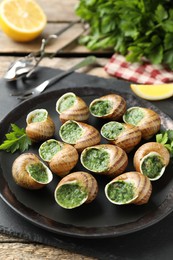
(9, 46)
(58, 10)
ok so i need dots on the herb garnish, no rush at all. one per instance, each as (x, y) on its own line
(133, 28)
(166, 138)
(16, 140)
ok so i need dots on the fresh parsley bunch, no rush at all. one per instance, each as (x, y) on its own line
(136, 29)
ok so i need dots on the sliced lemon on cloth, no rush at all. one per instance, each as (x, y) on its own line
(22, 20)
(153, 92)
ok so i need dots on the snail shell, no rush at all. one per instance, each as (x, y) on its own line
(23, 172)
(125, 136)
(106, 159)
(71, 107)
(146, 119)
(111, 106)
(129, 188)
(61, 157)
(143, 158)
(79, 134)
(75, 189)
(40, 126)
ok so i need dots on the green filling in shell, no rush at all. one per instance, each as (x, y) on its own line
(70, 132)
(111, 130)
(38, 172)
(134, 116)
(48, 149)
(70, 195)
(152, 166)
(101, 108)
(120, 191)
(38, 117)
(96, 160)
(66, 102)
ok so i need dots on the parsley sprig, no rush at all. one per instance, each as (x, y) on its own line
(166, 138)
(16, 140)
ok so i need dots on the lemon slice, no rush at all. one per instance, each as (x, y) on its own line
(22, 20)
(153, 92)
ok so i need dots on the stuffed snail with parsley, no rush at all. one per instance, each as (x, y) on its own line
(60, 156)
(40, 125)
(79, 134)
(125, 136)
(147, 120)
(30, 173)
(151, 159)
(129, 188)
(111, 106)
(106, 159)
(76, 189)
(71, 107)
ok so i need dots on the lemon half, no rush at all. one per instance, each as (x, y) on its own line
(22, 20)
(153, 92)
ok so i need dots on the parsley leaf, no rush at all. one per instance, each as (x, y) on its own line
(16, 140)
(166, 138)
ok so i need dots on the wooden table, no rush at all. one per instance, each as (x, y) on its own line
(59, 13)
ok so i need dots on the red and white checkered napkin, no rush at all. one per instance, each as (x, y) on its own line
(139, 73)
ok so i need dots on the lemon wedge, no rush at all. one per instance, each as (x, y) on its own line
(153, 92)
(22, 20)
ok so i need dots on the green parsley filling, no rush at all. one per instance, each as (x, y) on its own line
(38, 172)
(111, 130)
(101, 107)
(48, 149)
(134, 116)
(66, 102)
(70, 195)
(39, 116)
(96, 160)
(70, 132)
(152, 166)
(120, 191)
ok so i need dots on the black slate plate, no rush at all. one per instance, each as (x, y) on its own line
(100, 218)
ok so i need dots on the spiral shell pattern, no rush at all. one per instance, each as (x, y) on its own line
(148, 148)
(85, 180)
(118, 106)
(128, 138)
(21, 175)
(61, 161)
(150, 123)
(117, 163)
(79, 111)
(39, 131)
(142, 187)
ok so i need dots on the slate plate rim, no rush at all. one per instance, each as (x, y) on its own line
(165, 208)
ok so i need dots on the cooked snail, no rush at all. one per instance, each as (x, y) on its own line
(104, 159)
(79, 134)
(111, 106)
(61, 157)
(71, 107)
(40, 126)
(125, 136)
(129, 188)
(146, 119)
(29, 172)
(76, 189)
(151, 160)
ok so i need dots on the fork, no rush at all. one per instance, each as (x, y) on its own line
(47, 83)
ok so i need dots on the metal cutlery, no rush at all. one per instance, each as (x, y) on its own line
(47, 83)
